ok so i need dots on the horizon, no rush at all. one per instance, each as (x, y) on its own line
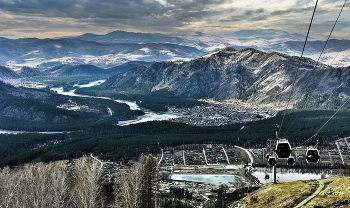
(191, 33)
(43, 20)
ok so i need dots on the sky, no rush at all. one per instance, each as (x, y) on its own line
(56, 18)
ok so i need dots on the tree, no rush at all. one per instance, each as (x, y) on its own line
(129, 183)
(137, 186)
(222, 195)
(86, 183)
(239, 181)
(151, 175)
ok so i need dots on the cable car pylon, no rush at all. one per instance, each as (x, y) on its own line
(278, 149)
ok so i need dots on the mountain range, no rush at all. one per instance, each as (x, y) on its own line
(75, 51)
(119, 47)
(68, 70)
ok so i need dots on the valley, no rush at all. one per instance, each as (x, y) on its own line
(174, 104)
(245, 115)
(200, 116)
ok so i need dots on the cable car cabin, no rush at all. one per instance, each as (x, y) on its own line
(312, 155)
(290, 160)
(283, 149)
(272, 161)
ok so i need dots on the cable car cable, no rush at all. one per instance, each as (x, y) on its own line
(295, 50)
(340, 49)
(318, 60)
(329, 64)
(307, 35)
(325, 123)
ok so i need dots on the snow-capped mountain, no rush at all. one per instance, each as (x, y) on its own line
(119, 47)
(74, 51)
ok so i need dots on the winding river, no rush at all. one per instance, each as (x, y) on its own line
(149, 115)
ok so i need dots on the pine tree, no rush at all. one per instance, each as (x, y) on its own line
(151, 176)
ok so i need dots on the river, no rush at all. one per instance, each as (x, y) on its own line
(149, 115)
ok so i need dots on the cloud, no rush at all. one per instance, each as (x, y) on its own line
(48, 17)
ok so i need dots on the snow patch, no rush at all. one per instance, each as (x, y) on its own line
(146, 50)
(37, 51)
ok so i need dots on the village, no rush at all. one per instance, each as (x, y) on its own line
(222, 113)
(200, 170)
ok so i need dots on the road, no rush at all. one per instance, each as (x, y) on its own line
(97, 160)
(319, 189)
(248, 153)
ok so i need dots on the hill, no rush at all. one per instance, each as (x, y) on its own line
(86, 71)
(27, 72)
(248, 74)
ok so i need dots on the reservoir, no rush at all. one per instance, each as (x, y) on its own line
(282, 174)
(290, 174)
(206, 178)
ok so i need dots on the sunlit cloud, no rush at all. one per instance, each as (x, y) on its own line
(50, 18)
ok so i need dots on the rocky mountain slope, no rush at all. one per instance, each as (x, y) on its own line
(6, 73)
(249, 74)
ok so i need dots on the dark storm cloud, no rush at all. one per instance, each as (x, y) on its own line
(83, 9)
(121, 14)
(101, 16)
(252, 12)
(109, 9)
(297, 11)
(195, 5)
(249, 15)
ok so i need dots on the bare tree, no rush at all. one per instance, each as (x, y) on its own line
(137, 186)
(129, 184)
(34, 186)
(86, 183)
(52, 185)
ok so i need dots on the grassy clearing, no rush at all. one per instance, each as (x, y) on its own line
(336, 193)
(285, 194)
